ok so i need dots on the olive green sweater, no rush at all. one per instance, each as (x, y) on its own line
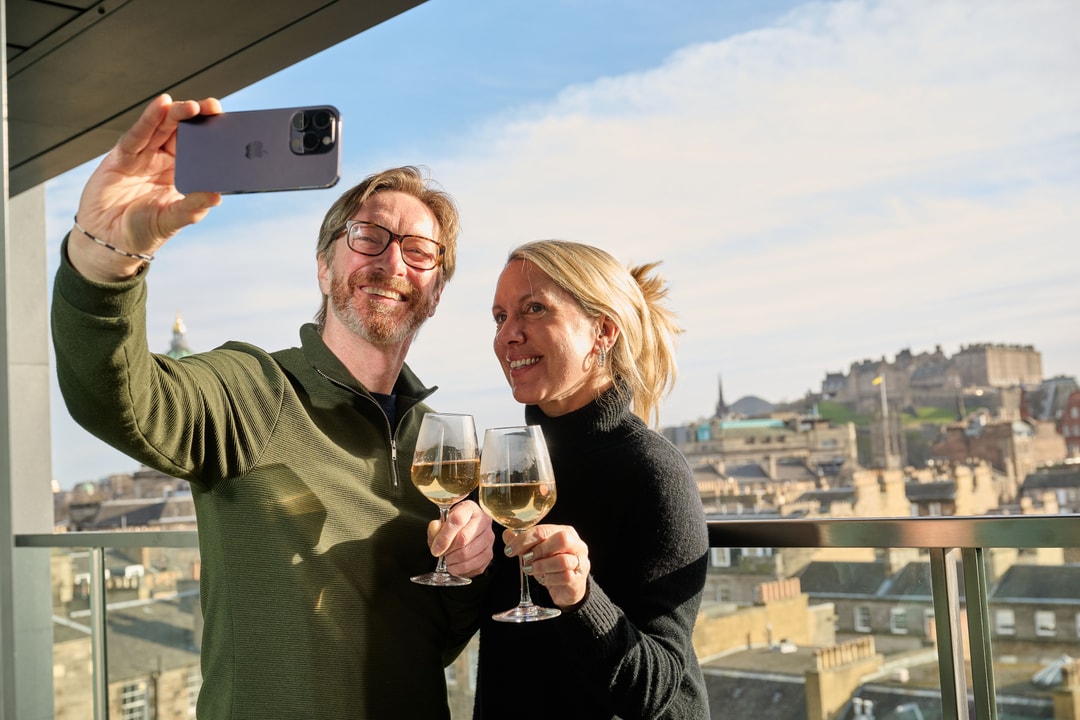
(309, 526)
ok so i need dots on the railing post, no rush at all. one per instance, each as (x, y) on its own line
(950, 643)
(98, 652)
(978, 617)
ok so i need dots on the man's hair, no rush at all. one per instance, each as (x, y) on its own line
(409, 180)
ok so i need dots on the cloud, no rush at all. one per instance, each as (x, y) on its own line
(854, 179)
(859, 178)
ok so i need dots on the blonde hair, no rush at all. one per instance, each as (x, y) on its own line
(642, 360)
(407, 179)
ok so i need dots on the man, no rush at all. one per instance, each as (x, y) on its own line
(309, 526)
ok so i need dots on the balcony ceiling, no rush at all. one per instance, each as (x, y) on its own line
(79, 71)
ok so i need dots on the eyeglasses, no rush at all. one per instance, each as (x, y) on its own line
(372, 240)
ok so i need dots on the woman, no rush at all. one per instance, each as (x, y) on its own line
(588, 347)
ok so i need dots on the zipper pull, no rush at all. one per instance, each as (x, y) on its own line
(393, 464)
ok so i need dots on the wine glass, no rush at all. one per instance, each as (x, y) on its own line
(517, 489)
(444, 470)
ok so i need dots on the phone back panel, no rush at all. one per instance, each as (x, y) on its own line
(255, 151)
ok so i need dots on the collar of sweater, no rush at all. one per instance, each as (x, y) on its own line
(327, 363)
(603, 414)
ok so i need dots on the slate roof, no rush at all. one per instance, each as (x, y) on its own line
(912, 582)
(755, 695)
(903, 703)
(770, 696)
(142, 512)
(931, 491)
(828, 495)
(1039, 583)
(143, 636)
(794, 470)
(746, 472)
(1062, 476)
(843, 578)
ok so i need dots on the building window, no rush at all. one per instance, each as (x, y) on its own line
(1045, 623)
(721, 557)
(929, 628)
(934, 509)
(450, 671)
(1005, 622)
(1078, 625)
(133, 702)
(898, 621)
(862, 618)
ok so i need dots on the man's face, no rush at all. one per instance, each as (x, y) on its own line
(381, 299)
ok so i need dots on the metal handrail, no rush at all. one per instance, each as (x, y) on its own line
(102, 539)
(1019, 531)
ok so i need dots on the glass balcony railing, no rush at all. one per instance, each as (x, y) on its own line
(827, 618)
(126, 623)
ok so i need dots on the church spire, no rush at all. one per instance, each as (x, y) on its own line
(179, 347)
(721, 406)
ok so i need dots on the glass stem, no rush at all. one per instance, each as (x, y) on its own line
(440, 566)
(526, 600)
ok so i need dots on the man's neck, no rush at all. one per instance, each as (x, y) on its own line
(376, 367)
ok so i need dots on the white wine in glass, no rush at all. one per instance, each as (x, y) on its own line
(517, 489)
(444, 470)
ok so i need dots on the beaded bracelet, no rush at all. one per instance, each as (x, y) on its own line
(102, 243)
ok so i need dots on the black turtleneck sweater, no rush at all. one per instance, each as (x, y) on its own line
(625, 651)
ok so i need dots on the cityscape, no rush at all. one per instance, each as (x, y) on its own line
(838, 192)
(980, 433)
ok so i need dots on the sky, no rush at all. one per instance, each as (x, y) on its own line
(823, 183)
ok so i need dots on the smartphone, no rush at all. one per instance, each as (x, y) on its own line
(252, 151)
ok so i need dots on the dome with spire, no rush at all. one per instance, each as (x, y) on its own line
(179, 347)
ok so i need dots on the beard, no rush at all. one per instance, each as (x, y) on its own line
(377, 321)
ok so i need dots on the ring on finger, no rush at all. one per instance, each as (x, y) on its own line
(540, 579)
(577, 568)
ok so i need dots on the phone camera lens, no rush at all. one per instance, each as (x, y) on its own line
(300, 120)
(312, 141)
(321, 120)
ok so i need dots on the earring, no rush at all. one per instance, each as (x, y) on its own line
(603, 357)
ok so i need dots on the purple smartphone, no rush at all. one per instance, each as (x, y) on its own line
(259, 150)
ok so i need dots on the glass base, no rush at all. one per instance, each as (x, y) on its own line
(526, 613)
(440, 579)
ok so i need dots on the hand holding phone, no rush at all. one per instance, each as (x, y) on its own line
(259, 151)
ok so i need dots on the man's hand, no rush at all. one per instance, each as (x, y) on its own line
(466, 539)
(130, 201)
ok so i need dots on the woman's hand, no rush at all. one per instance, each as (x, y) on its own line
(556, 557)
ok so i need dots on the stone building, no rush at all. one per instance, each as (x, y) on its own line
(935, 379)
(1068, 425)
(1060, 482)
(1013, 447)
(999, 366)
(767, 442)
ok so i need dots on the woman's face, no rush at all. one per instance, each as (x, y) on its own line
(545, 342)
